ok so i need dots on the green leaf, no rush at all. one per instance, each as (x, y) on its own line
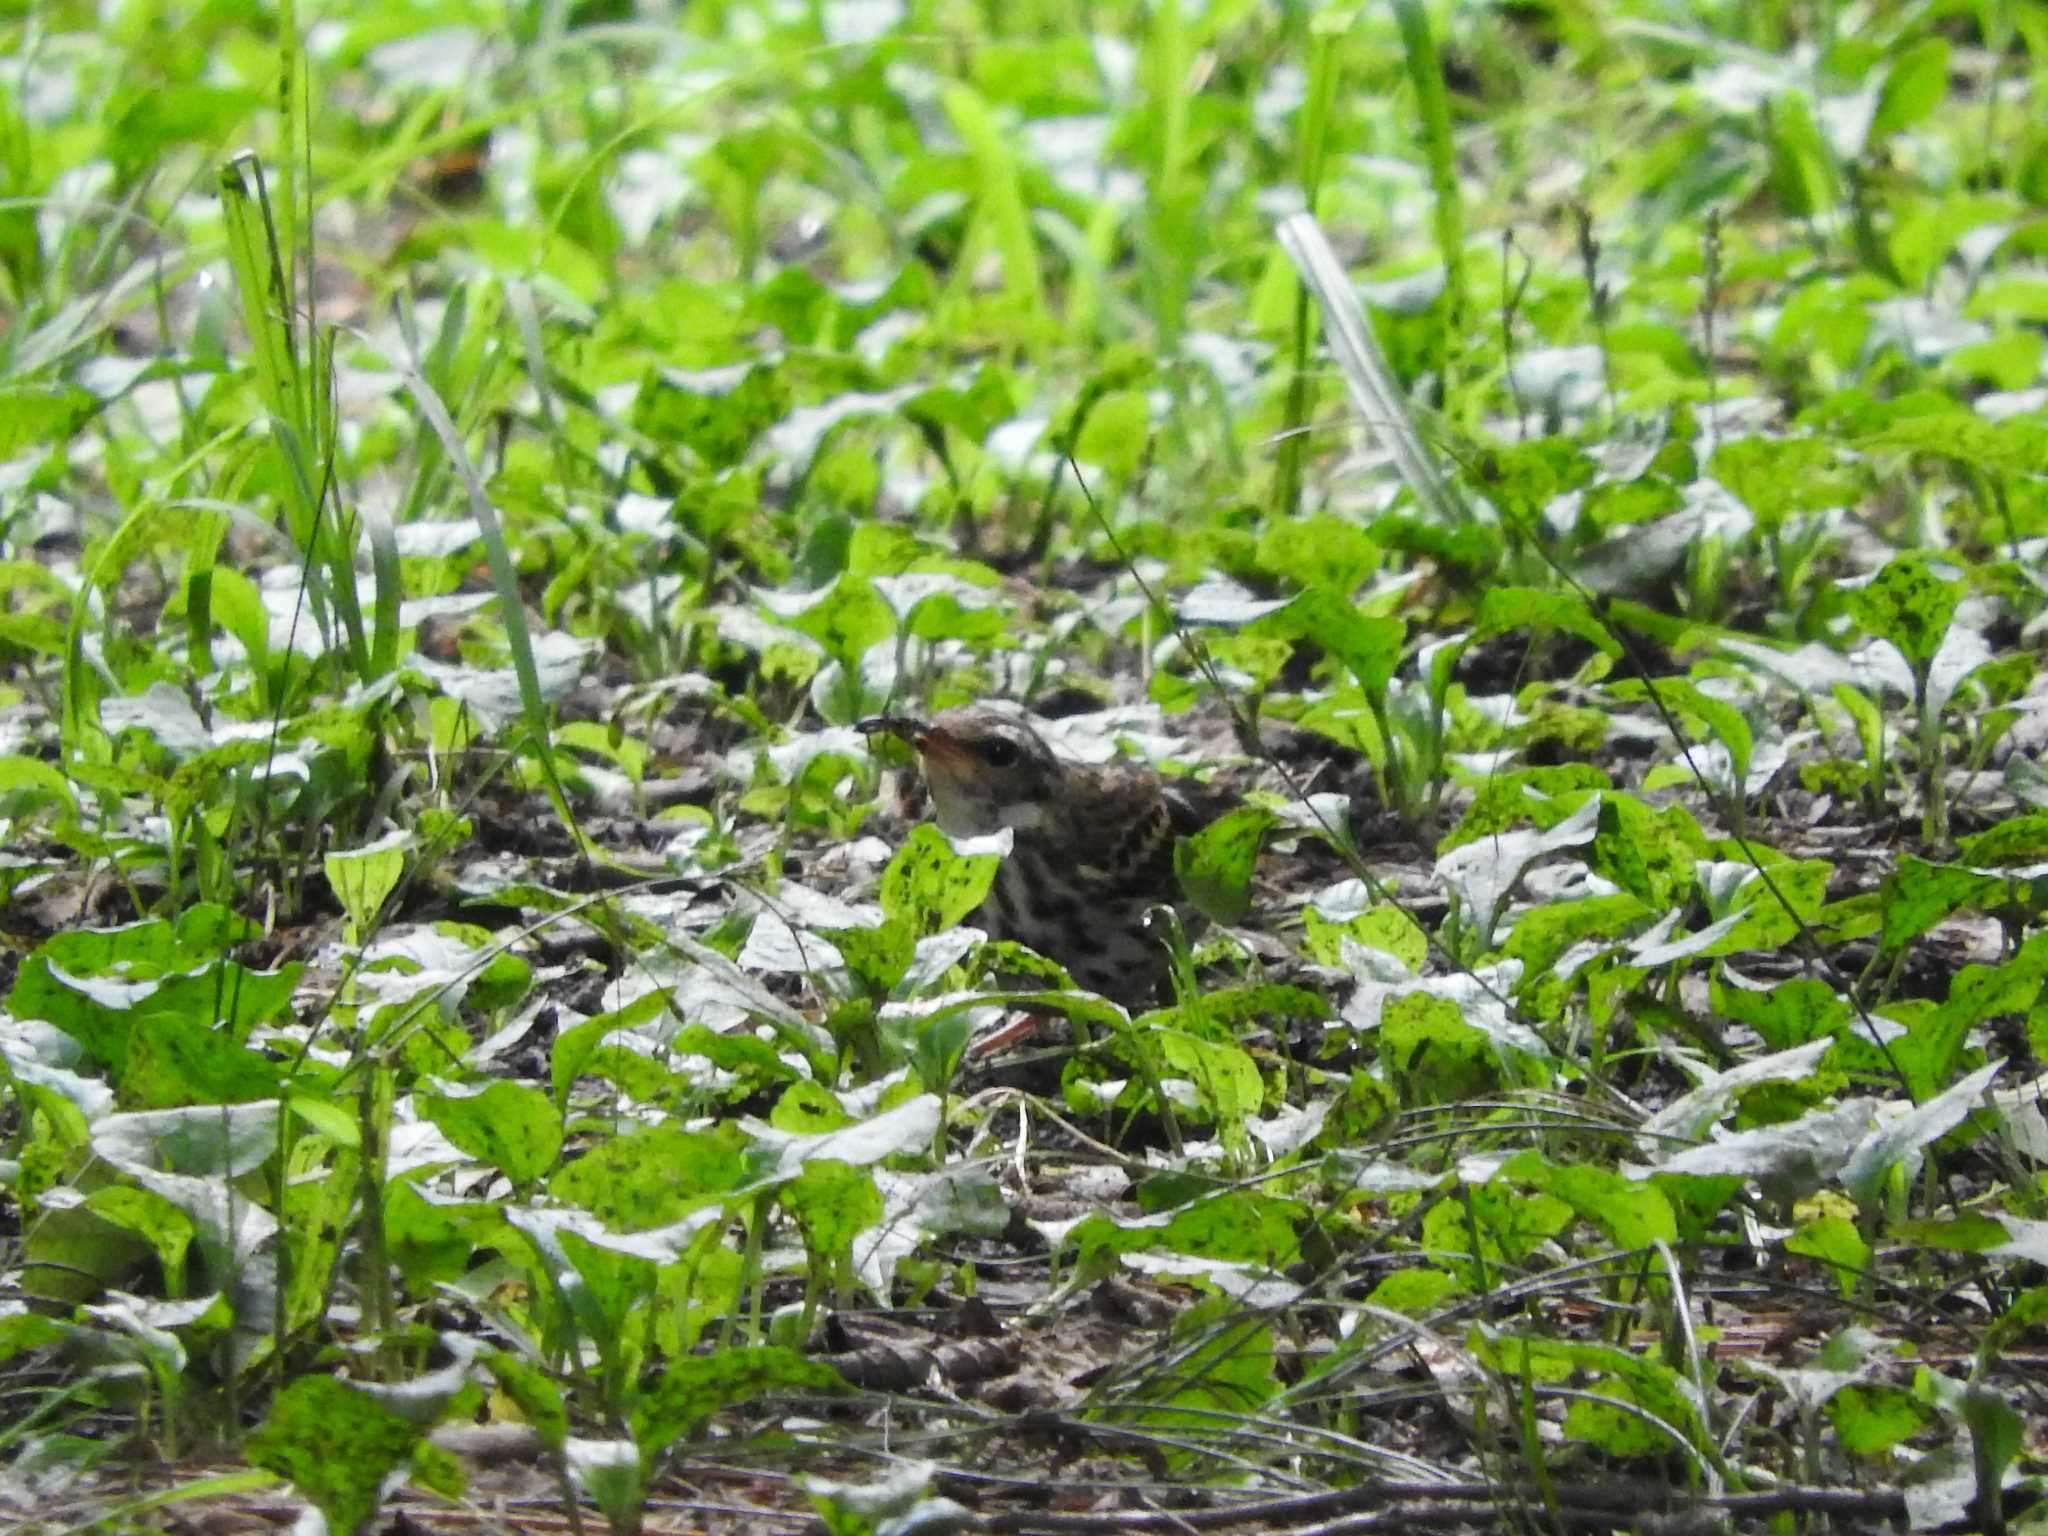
(512, 1126)
(1802, 170)
(1651, 854)
(1387, 929)
(1917, 895)
(432, 1243)
(336, 1444)
(1545, 932)
(1631, 1212)
(847, 619)
(1872, 1418)
(1232, 1226)
(1215, 864)
(941, 1046)
(2015, 840)
(1416, 1292)
(1776, 910)
(534, 1393)
(832, 1203)
(575, 1047)
(650, 1178)
(167, 1229)
(616, 1282)
(1511, 610)
(1322, 551)
(1789, 1014)
(931, 887)
(174, 1060)
(718, 415)
(1227, 1086)
(754, 1061)
(1622, 1376)
(1834, 1242)
(876, 957)
(1368, 646)
(1117, 433)
(1914, 87)
(691, 1390)
(1781, 477)
(1688, 702)
(1910, 605)
(1433, 1055)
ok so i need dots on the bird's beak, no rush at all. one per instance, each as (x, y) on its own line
(904, 728)
(929, 741)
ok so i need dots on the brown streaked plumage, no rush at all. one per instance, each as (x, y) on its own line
(1093, 848)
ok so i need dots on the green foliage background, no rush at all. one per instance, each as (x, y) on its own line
(464, 470)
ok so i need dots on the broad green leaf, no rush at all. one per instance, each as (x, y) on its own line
(751, 1059)
(905, 1127)
(717, 414)
(1232, 1226)
(432, 1241)
(1836, 1244)
(1872, 1418)
(2015, 840)
(1625, 1376)
(1226, 1081)
(575, 1047)
(1632, 1214)
(1215, 864)
(846, 619)
(1801, 168)
(1368, 646)
(1416, 1292)
(1649, 853)
(1909, 604)
(1116, 433)
(1914, 87)
(1432, 1055)
(1787, 1015)
(930, 886)
(1687, 701)
(1918, 895)
(363, 877)
(876, 957)
(616, 1281)
(335, 1444)
(1498, 1224)
(691, 1390)
(1516, 610)
(1321, 551)
(832, 1203)
(650, 1178)
(167, 1229)
(511, 1126)
(1780, 477)
(1774, 911)
(174, 1060)
(1387, 929)
(1545, 932)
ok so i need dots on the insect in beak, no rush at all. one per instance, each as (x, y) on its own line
(934, 744)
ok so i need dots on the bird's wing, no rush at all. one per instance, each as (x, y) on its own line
(1122, 828)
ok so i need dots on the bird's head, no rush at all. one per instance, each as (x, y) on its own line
(985, 770)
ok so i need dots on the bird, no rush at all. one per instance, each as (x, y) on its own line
(1092, 852)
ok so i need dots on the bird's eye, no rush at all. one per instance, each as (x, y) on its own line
(1000, 752)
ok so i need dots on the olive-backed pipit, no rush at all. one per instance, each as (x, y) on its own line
(1093, 849)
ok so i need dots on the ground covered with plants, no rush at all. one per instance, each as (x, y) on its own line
(486, 1043)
